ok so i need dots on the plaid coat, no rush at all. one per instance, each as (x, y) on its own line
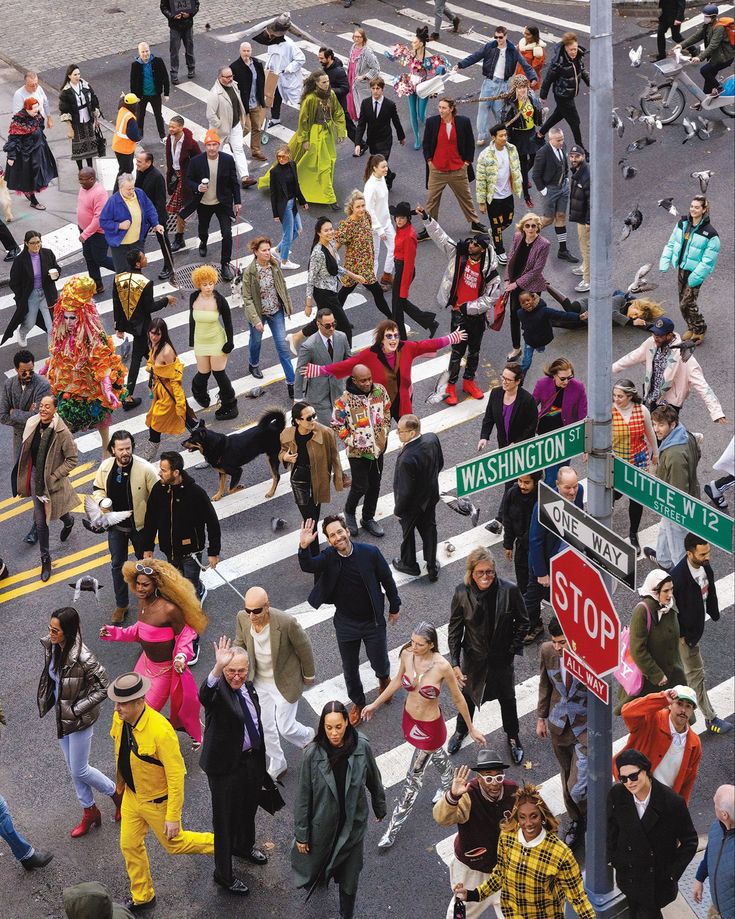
(536, 881)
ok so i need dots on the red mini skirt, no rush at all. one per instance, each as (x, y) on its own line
(425, 735)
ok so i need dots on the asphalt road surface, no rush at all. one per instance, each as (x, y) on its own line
(411, 879)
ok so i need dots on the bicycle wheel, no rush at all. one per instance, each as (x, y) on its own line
(729, 110)
(675, 103)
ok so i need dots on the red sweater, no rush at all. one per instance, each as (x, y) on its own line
(409, 351)
(404, 250)
(446, 155)
(647, 719)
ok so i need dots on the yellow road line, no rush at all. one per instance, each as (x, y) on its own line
(55, 578)
(57, 566)
(19, 508)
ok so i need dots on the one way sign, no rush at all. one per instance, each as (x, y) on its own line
(588, 536)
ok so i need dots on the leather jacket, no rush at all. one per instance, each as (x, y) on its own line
(83, 688)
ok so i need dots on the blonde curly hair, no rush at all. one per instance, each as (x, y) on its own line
(530, 794)
(204, 274)
(172, 586)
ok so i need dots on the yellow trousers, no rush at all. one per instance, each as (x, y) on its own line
(137, 818)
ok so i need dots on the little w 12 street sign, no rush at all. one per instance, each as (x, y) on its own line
(520, 459)
(585, 676)
(676, 505)
(587, 535)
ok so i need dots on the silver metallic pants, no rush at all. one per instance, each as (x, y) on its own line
(414, 780)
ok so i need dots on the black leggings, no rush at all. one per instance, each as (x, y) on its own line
(635, 513)
(375, 289)
(328, 299)
(515, 322)
(82, 163)
(565, 110)
(403, 305)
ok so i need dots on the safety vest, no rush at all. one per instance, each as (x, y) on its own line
(121, 143)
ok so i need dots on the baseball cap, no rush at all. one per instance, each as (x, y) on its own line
(130, 99)
(687, 694)
(662, 326)
(577, 149)
(710, 10)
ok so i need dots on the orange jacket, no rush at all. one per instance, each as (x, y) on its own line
(121, 143)
(647, 719)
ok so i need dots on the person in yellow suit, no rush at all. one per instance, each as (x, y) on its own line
(150, 772)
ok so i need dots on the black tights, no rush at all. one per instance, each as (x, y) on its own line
(375, 289)
(635, 513)
(81, 164)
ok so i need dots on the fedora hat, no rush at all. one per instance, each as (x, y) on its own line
(487, 760)
(128, 686)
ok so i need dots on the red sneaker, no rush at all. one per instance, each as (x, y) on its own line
(451, 394)
(472, 389)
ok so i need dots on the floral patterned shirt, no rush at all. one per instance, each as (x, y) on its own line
(268, 297)
(357, 238)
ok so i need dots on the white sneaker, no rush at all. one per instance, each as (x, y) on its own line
(22, 340)
(579, 271)
(289, 266)
(291, 347)
(582, 286)
(275, 253)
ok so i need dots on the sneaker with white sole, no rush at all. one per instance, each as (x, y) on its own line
(22, 340)
(291, 346)
(582, 287)
(502, 258)
(289, 266)
(715, 495)
(579, 271)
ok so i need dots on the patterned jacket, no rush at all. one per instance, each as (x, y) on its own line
(487, 173)
(535, 879)
(362, 421)
(557, 703)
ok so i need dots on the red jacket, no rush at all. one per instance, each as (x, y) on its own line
(189, 148)
(647, 719)
(404, 250)
(408, 351)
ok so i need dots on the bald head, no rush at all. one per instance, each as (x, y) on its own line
(246, 52)
(362, 378)
(257, 608)
(725, 805)
(87, 177)
(567, 483)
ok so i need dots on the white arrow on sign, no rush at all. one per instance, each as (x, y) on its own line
(565, 524)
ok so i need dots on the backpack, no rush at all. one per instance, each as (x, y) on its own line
(729, 27)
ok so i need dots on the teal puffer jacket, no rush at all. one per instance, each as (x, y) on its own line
(694, 249)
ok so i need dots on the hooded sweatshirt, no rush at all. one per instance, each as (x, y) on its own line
(92, 901)
(678, 457)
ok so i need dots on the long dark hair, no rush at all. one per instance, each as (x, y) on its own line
(160, 326)
(69, 71)
(318, 228)
(69, 621)
(335, 754)
(534, 33)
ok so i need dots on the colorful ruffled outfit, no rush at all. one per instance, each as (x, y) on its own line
(86, 374)
(417, 71)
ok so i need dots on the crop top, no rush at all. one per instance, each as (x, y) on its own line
(428, 691)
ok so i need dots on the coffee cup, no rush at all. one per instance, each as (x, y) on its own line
(106, 505)
(205, 181)
(53, 273)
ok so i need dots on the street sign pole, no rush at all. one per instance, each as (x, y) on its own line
(606, 900)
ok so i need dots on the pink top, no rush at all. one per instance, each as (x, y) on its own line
(90, 202)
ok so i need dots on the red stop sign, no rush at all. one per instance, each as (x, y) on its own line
(585, 612)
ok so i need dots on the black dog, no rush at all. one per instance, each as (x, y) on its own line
(228, 453)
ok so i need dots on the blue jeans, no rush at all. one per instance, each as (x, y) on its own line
(36, 304)
(19, 846)
(527, 359)
(277, 325)
(118, 545)
(490, 87)
(86, 778)
(291, 224)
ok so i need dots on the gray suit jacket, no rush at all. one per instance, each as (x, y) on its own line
(557, 703)
(322, 391)
(13, 397)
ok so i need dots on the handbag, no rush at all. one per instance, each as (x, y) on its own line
(190, 419)
(269, 798)
(499, 312)
(100, 140)
(629, 673)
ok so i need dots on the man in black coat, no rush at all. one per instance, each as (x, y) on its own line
(449, 149)
(220, 198)
(149, 178)
(550, 175)
(695, 598)
(416, 490)
(335, 70)
(650, 836)
(378, 116)
(521, 424)
(580, 200)
(671, 17)
(233, 758)
(132, 305)
(180, 15)
(161, 86)
(249, 75)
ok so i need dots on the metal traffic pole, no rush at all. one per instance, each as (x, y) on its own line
(607, 901)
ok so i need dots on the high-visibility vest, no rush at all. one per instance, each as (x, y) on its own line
(121, 143)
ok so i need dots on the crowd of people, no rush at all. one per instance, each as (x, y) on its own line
(510, 851)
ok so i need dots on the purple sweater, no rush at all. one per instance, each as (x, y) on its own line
(574, 403)
(533, 274)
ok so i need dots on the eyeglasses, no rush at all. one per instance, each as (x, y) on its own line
(508, 379)
(34, 242)
(565, 379)
(484, 572)
(143, 569)
(254, 612)
(55, 631)
(392, 336)
(328, 325)
(496, 779)
(308, 417)
(631, 777)
(529, 224)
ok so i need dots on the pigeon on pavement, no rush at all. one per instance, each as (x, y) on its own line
(635, 55)
(631, 222)
(640, 144)
(627, 170)
(463, 506)
(617, 123)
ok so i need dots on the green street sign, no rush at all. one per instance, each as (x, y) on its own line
(520, 459)
(676, 505)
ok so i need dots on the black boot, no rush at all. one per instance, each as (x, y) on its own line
(178, 242)
(45, 567)
(39, 859)
(227, 411)
(227, 397)
(199, 389)
(31, 536)
(346, 904)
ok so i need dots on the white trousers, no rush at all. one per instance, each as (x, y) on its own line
(390, 236)
(235, 146)
(278, 716)
(459, 873)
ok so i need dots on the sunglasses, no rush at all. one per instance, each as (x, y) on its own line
(632, 777)
(308, 417)
(56, 631)
(484, 573)
(496, 779)
(254, 612)
(528, 224)
(143, 569)
(391, 335)
(566, 378)
(328, 325)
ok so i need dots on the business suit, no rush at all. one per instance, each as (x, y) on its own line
(379, 129)
(321, 392)
(651, 853)
(292, 659)
(236, 776)
(228, 194)
(416, 489)
(563, 705)
(551, 172)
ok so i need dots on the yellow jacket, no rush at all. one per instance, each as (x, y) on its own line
(142, 478)
(162, 774)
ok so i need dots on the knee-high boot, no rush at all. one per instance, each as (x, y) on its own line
(346, 904)
(199, 389)
(227, 398)
(414, 780)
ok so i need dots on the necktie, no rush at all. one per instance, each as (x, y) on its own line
(330, 346)
(253, 733)
(376, 108)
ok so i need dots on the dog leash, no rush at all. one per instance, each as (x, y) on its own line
(222, 577)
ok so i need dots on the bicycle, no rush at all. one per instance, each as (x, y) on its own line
(670, 101)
